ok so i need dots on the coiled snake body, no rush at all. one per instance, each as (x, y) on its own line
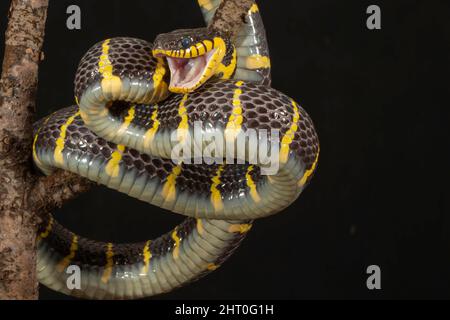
(120, 133)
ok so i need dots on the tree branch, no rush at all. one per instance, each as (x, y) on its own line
(23, 43)
(50, 193)
(230, 16)
(24, 197)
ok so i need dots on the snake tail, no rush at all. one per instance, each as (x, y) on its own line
(131, 271)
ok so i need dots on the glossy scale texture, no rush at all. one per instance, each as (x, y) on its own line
(120, 136)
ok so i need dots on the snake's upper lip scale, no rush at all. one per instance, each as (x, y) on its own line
(176, 53)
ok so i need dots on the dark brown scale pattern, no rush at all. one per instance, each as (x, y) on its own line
(81, 140)
(131, 58)
(306, 141)
(168, 116)
(263, 108)
(165, 243)
(49, 133)
(146, 165)
(233, 181)
(93, 253)
(142, 113)
(59, 239)
(84, 143)
(211, 104)
(87, 72)
(143, 116)
(265, 74)
(229, 52)
(196, 179)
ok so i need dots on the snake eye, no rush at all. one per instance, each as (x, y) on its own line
(186, 42)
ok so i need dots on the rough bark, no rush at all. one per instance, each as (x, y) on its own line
(21, 206)
(230, 16)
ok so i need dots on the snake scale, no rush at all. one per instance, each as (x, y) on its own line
(132, 97)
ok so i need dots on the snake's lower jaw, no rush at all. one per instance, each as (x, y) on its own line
(188, 75)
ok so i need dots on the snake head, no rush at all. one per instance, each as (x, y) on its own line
(194, 56)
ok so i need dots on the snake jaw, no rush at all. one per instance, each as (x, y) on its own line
(188, 74)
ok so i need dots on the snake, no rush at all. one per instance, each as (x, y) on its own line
(136, 102)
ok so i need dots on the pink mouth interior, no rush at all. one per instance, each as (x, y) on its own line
(186, 73)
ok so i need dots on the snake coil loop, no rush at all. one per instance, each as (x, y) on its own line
(121, 135)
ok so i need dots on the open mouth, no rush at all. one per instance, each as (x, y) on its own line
(187, 74)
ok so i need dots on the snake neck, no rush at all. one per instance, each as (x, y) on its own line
(252, 51)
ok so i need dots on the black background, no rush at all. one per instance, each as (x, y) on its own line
(379, 100)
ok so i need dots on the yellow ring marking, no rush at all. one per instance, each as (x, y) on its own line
(212, 267)
(235, 121)
(240, 228)
(252, 186)
(216, 197)
(183, 127)
(257, 61)
(206, 4)
(191, 50)
(200, 48)
(147, 256)
(177, 239)
(84, 116)
(160, 87)
(113, 168)
(309, 172)
(208, 44)
(254, 8)
(227, 71)
(109, 263)
(60, 142)
(290, 134)
(169, 191)
(35, 156)
(187, 53)
(150, 134)
(111, 84)
(73, 250)
(47, 230)
(127, 121)
(200, 226)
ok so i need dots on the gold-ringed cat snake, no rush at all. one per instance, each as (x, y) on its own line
(133, 97)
